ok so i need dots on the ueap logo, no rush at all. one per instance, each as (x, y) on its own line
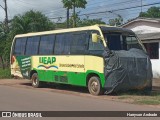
(47, 67)
(6, 114)
(47, 62)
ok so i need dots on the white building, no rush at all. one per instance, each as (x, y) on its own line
(148, 30)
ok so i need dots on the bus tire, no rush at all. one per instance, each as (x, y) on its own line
(35, 82)
(94, 86)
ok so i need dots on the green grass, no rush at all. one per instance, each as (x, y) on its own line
(124, 97)
(140, 98)
(5, 74)
(148, 101)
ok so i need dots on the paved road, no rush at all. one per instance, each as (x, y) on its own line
(18, 99)
(23, 99)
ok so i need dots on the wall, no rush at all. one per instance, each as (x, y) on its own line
(156, 66)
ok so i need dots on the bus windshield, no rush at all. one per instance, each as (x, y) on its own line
(119, 41)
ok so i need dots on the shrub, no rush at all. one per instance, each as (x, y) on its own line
(5, 73)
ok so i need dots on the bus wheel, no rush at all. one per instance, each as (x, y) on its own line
(94, 86)
(35, 82)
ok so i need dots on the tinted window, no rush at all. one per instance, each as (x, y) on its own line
(79, 43)
(95, 46)
(62, 44)
(130, 42)
(46, 45)
(32, 45)
(19, 48)
(122, 42)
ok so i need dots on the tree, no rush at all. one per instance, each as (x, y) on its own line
(3, 30)
(73, 4)
(117, 21)
(81, 22)
(31, 21)
(88, 22)
(3, 37)
(153, 12)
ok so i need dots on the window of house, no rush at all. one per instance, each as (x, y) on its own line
(152, 50)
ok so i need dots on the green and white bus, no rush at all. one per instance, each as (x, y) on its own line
(83, 56)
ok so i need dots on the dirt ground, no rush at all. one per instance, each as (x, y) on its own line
(27, 83)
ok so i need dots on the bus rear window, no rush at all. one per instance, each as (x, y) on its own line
(19, 47)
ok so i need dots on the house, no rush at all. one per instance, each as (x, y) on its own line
(148, 30)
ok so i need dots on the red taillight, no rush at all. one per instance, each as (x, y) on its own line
(13, 59)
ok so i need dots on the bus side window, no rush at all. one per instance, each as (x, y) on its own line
(79, 43)
(32, 45)
(62, 44)
(19, 47)
(46, 45)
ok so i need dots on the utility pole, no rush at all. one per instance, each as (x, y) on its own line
(74, 15)
(6, 28)
(141, 5)
(67, 17)
(6, 13)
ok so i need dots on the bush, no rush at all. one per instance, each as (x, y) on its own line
(6, 73)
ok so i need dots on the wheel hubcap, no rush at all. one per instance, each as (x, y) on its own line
(94, 86)
(35, 81)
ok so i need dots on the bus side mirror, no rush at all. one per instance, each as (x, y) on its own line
(94, 37)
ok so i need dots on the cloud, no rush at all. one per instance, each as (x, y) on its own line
(54, 8)
(48, 7)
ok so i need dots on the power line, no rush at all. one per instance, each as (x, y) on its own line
(60, 10)
(115, 4)
(121, 9)
(93, 13)
(6, 13)
(93, 8)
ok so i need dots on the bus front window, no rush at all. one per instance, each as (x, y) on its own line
(119, 41)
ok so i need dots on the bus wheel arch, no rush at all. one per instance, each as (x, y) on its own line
(94, 85)
(32, 72)
(34, 79)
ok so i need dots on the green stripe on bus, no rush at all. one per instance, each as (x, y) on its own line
(72, 78)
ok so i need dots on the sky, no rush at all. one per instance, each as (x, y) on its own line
(54, 8)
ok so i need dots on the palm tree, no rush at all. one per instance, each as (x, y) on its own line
(31, 21)
(3, 36)
(73, 4)
(2, 29)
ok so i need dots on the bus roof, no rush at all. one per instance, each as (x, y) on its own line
(94, 27)
(116, 29)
